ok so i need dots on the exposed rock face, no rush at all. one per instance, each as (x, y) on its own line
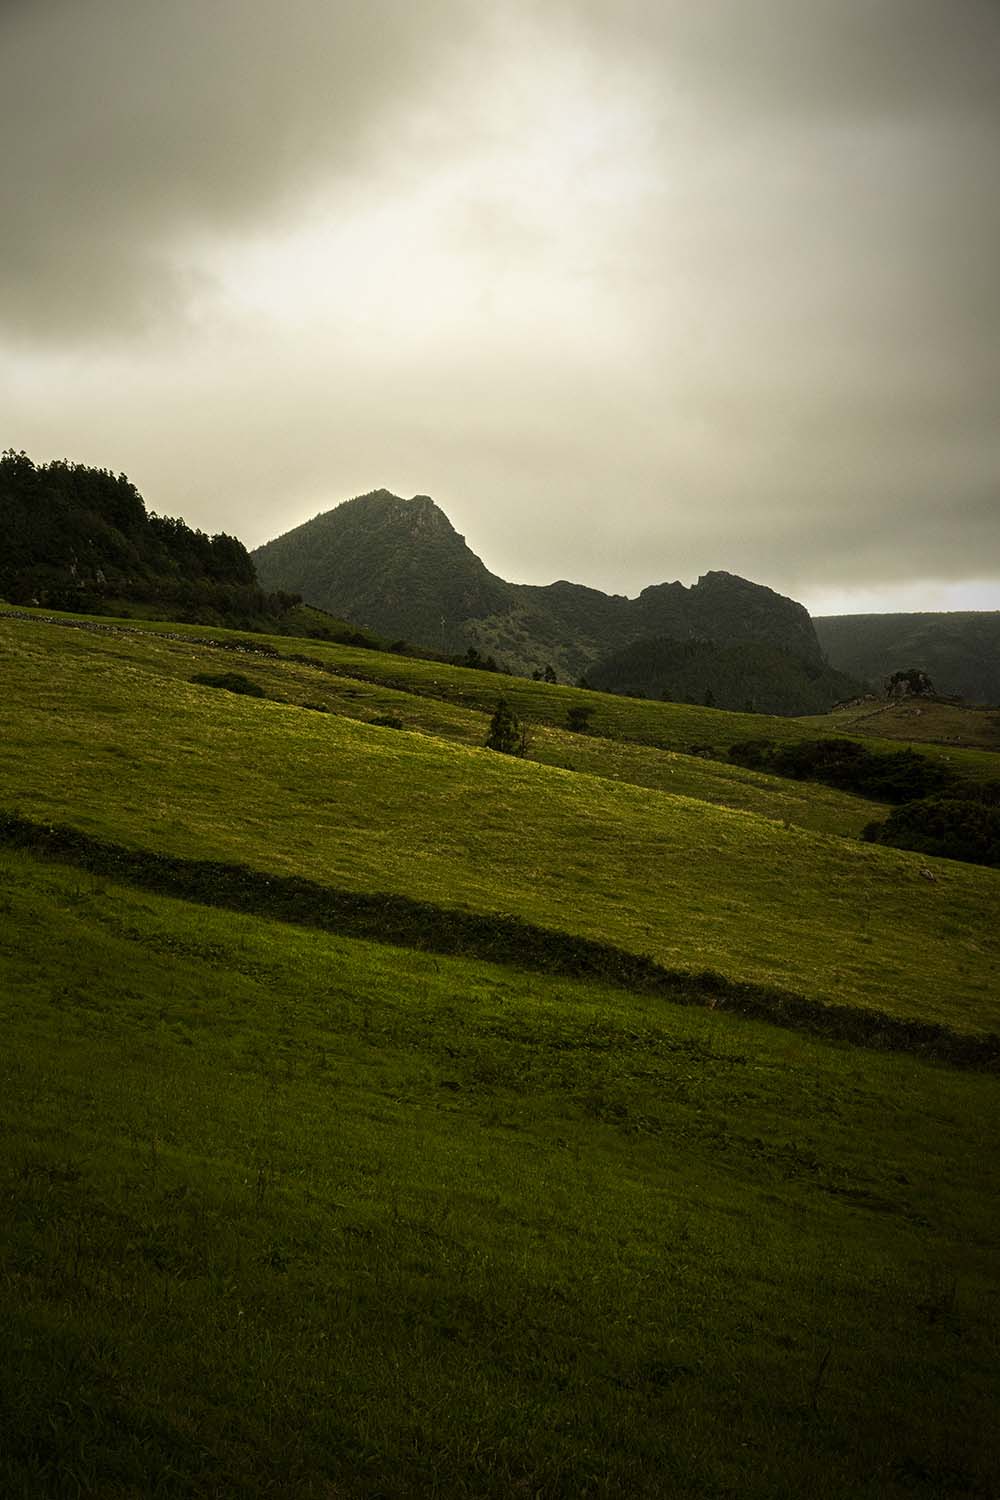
(399, 567)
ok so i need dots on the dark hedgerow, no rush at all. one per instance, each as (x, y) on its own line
(893, 776)
(952, 827)
(231, 682)
(423, 925)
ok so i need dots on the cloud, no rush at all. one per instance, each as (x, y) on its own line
(128, 127)
(634, 289)
(775, 60)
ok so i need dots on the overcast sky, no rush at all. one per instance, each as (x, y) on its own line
(633, 288)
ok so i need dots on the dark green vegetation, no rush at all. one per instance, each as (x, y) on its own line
(80, 538)
(286, 1210)
(951, 827)
(506, 733)
(941, 811)
(749, 675)
(887, 776)
(74, 534)
(400, 567)
(232, 682)
(960, 651)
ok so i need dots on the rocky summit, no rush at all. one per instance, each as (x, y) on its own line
(400, 568)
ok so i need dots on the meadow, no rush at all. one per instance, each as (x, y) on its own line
(286, 1211)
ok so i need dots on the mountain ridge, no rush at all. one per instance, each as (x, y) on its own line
(400, 567)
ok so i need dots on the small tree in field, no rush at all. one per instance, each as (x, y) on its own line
(506, 733)
(578, 718)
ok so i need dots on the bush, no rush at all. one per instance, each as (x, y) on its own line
(387, 721)
(578, 718)
(952, 827)
(886, 776)
(506, 732)
(231, 682)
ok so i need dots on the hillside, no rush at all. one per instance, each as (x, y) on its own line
(400, 568)
(751, 676)
(960, 650)
(369, 809)
(930, 720)
(385, 1117)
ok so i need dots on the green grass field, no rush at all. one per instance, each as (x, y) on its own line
(917, 721)
(290, 1214)
(284, 1212)
(277, 787)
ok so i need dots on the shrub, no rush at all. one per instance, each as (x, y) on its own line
(952, 827)
(887, 776)
(231, 682)
(578, 718)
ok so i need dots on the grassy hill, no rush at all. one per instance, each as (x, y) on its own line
(918, 721)
(361, 807)
(287, 1209)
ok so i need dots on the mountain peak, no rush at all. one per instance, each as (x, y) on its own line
(399, 567)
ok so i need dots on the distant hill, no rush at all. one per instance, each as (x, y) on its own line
(748, 676)
(960, 650)
(399, 567)
(80, 538)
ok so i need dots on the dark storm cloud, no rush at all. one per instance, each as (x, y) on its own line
(824, 59)
(635, 288)
(127, 125)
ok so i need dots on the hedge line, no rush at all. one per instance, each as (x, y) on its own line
(404, 922)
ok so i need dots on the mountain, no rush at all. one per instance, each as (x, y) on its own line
(398, 562)
(960, 650)
(399, 567)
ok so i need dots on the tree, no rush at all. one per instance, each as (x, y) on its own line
(578, 718)
(506, 733)
(912, 680)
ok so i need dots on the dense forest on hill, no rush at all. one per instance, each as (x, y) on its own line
(749, 677)
(77, 537)
(960, 650)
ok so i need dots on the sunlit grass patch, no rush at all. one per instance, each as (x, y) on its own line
(208, 775)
